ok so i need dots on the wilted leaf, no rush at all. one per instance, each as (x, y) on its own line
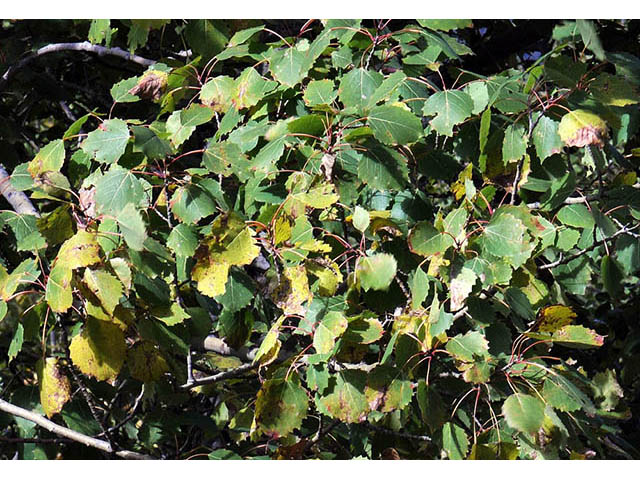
(55, 389)
(145, 362)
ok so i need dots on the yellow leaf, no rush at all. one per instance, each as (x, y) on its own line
(293, 291)
(55, 389)
(554, 317)
(81, 250)
(145, 362)
(230, 243)
(99, 351)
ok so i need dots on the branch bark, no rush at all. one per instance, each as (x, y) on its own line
(18, 200)
(65, 47)
(68, 433)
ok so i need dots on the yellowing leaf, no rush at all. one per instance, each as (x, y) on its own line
(580, 128)
(230, 243)
(59, 294)
(145, 362)
(554, 317)
(328, 273)
(293, 291)
(270, 346)
(99, 351)
(105, 286)
(55, 389)
(81, 250)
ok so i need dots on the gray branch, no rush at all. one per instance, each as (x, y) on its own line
(18, 200)
(66, 47)
(67, 432)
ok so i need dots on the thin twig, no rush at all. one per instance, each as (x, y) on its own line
(236, 372)
(564, 260)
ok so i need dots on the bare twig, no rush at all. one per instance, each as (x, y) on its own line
(236, 372)
(563, 260)
(65, 47)
(68, 433)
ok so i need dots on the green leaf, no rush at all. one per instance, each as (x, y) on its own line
(16, 342)
(612, 277)
(606, 390)
(376, 272)
(393, 125)
(450, 107)
(170, 316)
(183, 240)
(468, 347)
(25, 229)
(344, 399)
(419, 286)
(220, 157)
(577, 336)
(523, 412)
(217, 93)
(192, 202)
(332, 326)
(99, 31)
(614, 90)
(239, 291)
(387, 88)
(386, 390)
(361, 219)
(564, 71)
(251, 88)
(319, 92)
(289, 66)
(577, 215)
(590, 38)
(425, 240)
(132, 226)
(363, 329)
(116, 189)
(281, 406)
(514, 145)
(382, 168)
(546, 138)
(504, 237)
(120, 91)
(50, 158)
(59, 294)
(445, 25)
(108, 142)
(454, 441)
(357, 88)
(182, 123)
(149, 142)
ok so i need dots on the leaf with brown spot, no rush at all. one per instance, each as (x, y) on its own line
(55, 389)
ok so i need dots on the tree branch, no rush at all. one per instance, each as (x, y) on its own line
(18, 200)
(65, 47)
(68, 433)
(236, 372)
